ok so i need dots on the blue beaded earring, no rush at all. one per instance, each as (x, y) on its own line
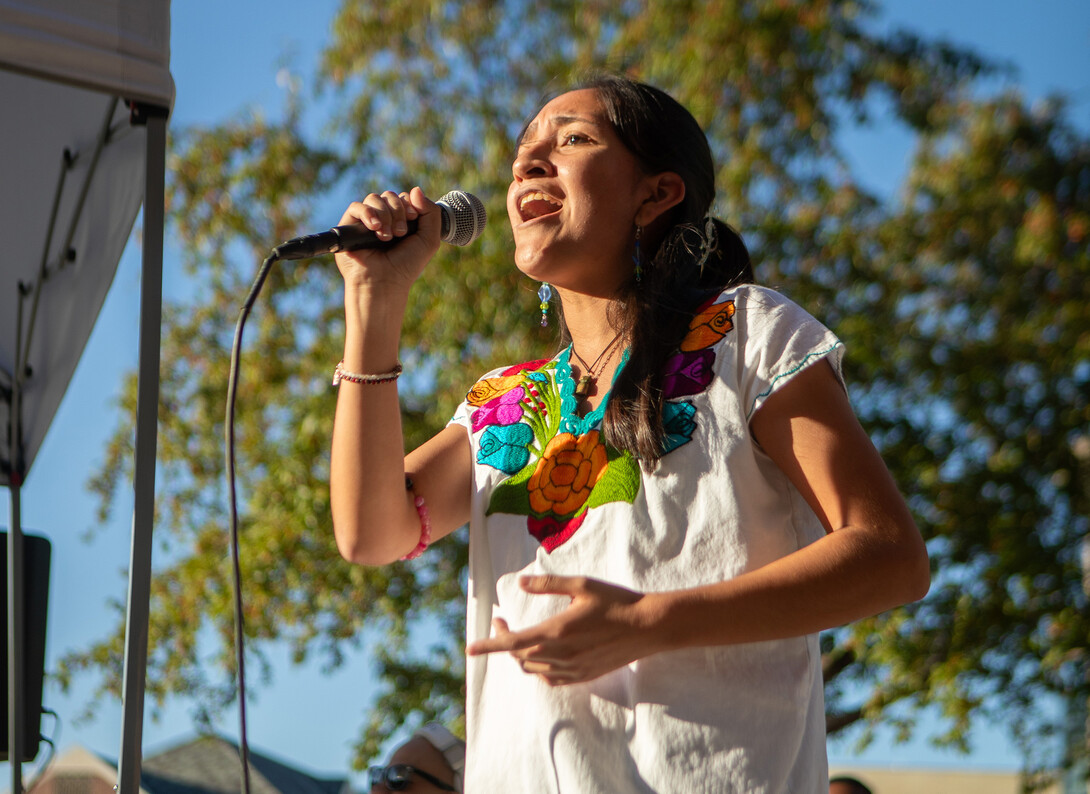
(545, 292)
(637, 259)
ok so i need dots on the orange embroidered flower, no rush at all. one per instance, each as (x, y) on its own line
(708, 326)
(489, 388)
(566, 473)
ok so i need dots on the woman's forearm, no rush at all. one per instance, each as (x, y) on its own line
(850, 574)
(374, 520)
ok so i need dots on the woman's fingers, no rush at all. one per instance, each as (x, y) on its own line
(547, 584)
(390, 215)
(552, 671)
(502, 640)
(600, 630)
(383, 213)
(387, 214)
(395, 225)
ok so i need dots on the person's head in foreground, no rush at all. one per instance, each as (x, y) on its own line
(847, 785)
(430, 761)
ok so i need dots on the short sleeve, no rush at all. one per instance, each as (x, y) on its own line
(461, 415)
(778, 339)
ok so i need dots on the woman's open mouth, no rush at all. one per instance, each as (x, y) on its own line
(536, 204)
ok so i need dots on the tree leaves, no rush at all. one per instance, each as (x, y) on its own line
(963, 304)
(991, 294)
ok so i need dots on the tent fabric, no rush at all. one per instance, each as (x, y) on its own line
(119, 47)
(32, 156)
(68, 68)
(65, 65)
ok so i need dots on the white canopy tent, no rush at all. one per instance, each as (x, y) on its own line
(85, 91)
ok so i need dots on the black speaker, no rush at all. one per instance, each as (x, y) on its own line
(36, 552)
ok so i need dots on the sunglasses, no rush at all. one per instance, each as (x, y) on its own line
(397, 777)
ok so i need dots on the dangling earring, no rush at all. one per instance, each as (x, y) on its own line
(637, 259)
(545, 292)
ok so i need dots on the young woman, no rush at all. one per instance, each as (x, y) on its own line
(664, 514)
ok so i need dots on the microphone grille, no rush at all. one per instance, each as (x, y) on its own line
(464, 217)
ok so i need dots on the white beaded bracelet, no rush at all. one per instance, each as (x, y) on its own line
(340, 373)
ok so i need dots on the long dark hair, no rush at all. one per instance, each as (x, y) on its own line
(694, 259)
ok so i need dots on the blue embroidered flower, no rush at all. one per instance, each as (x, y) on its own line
(506, 447)
(679, 423)
(538, 376)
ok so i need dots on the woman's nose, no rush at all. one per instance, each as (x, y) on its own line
(530, 162)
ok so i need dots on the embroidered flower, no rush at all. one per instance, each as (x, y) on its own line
(552, 532)
(503, 410)
(491, 388)
(566, 473)
(708, 326)
(557, 468)
(679, 423)
(505, 447)
(688, 373)
(515, 370)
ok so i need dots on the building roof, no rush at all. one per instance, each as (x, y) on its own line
(211, 765)
(205, 765)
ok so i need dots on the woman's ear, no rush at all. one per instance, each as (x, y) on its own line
(666, 190)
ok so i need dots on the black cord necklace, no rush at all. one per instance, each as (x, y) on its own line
(590, 373)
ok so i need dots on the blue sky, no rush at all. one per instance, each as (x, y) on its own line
(226, 57)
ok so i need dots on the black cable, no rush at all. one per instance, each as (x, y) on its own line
(43, 765)
(49, 759)
(229, 438)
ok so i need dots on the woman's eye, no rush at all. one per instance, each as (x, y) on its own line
(573, 138)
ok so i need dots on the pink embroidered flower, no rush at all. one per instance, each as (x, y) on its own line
(503, 410)
(552, 532)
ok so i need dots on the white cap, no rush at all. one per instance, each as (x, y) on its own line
(452, 748)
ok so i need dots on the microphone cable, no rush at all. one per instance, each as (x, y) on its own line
(463, 218)
(236, 569)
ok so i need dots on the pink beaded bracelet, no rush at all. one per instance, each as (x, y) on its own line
(425, 522)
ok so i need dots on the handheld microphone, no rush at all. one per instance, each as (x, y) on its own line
(463, 220)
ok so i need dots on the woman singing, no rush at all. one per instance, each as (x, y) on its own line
(665, 513)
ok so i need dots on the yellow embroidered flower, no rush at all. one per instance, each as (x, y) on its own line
(708, 326)
(566, 473)
(489, 388)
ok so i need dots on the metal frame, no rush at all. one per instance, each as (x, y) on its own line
(147, 407)
(136, 627)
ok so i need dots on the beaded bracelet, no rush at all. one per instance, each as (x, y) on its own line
(340, 373)
(425, 522)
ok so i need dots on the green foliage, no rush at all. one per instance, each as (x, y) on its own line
(963, 305)
(984, 410)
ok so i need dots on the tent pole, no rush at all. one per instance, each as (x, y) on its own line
(147, 405)
(16, 638)
(16, 570)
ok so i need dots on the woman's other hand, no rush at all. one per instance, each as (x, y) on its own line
(603, 628)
